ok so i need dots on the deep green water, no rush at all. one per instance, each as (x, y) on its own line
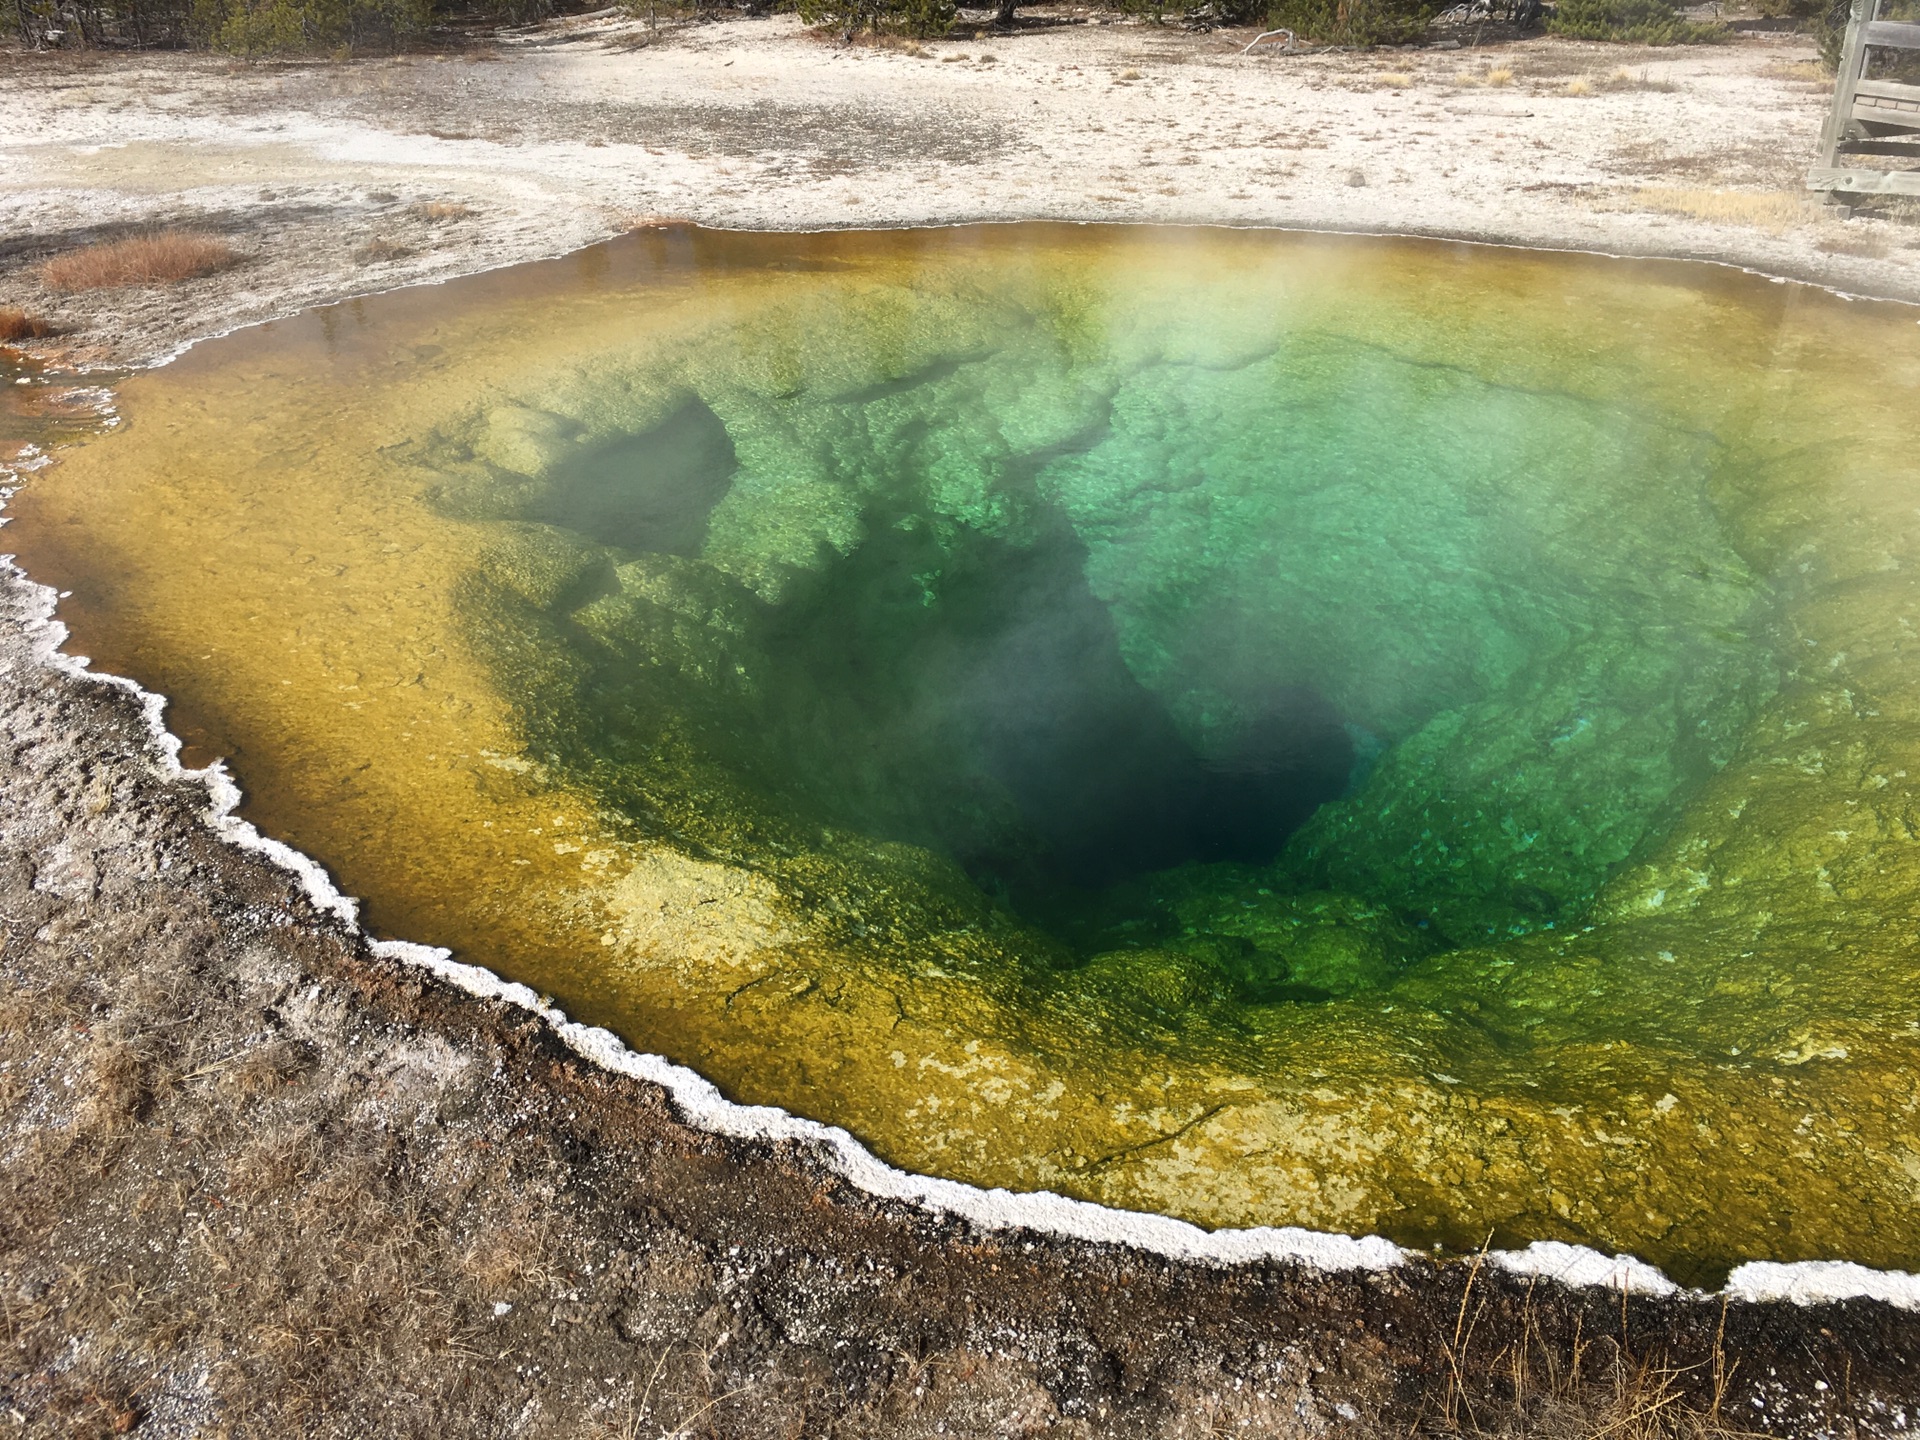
(1428, 652)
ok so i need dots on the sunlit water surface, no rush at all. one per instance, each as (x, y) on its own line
(1376, 736)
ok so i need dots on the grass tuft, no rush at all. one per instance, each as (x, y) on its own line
(887, 40)
(1578, 1387)
(1774, 210)
(1625, 79)
(19, 325)
(1809, 72)
(158, 259)
(265, 1068)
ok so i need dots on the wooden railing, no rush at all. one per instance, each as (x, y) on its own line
(1879, 118)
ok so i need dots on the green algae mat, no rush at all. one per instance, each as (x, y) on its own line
(1369, 735)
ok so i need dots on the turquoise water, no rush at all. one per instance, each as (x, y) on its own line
(1052, 614)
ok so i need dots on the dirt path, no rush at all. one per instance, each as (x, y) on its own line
(327, 177)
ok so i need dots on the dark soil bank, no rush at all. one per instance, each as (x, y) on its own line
(256, 1180)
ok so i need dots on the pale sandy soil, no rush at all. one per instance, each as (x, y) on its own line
(572, 131)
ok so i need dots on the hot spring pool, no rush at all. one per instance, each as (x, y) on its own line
(1370, 735)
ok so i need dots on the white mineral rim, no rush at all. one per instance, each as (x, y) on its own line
(1805, 1282)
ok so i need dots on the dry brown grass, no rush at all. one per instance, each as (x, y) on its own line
(1634, 1398)
(1641, 1399)
(1393, 80)
(264, 1068)
(162, 258)
(1579, 1388)
(278, 1160)
(19, 325)
(899, 44)
(1902, 210)
(506, 1254)
(1771, 210)
(1809, 71)
(1624, 79)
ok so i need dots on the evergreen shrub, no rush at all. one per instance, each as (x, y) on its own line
(918, 18)
(1354, 22)
(1639, 22)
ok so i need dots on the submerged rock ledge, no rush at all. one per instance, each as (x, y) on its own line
(254, 1159)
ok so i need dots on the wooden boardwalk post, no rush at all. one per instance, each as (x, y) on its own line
(1878, 118)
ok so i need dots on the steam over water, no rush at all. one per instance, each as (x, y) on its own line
(1365, 735)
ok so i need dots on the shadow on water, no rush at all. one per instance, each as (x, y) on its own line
(1000, 657)
(650, 492)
